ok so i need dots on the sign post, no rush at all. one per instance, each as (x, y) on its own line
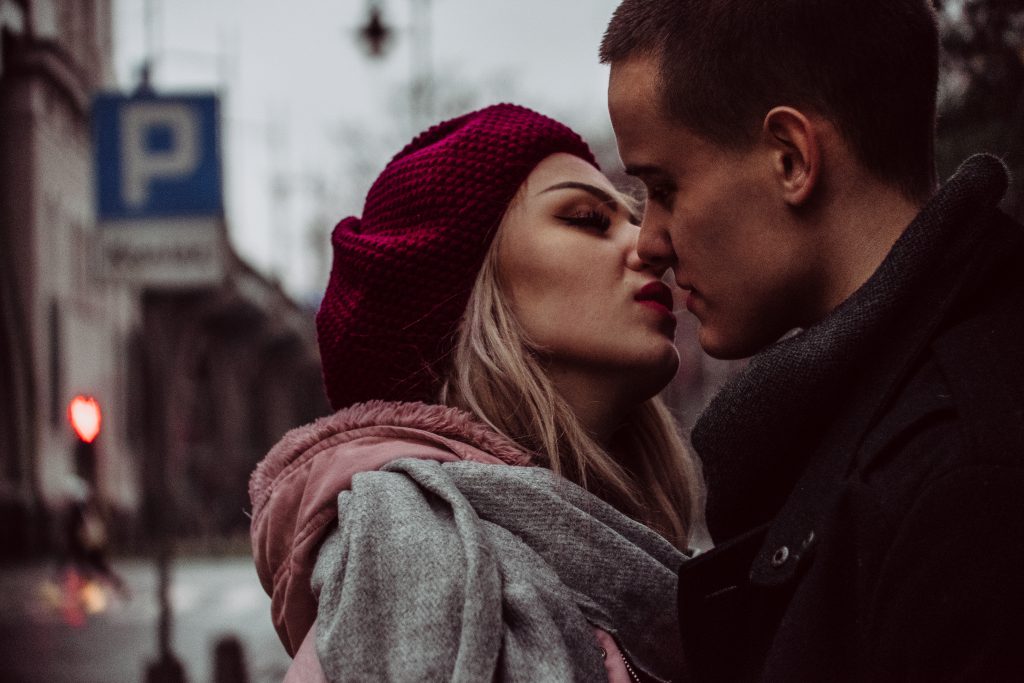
(161, 215)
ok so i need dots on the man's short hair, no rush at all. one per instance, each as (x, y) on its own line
(869, 66)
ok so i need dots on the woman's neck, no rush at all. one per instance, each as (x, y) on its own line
(598, 404)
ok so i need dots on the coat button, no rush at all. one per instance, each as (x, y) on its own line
(780, 557)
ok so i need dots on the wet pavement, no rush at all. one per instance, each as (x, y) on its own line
(61, 631)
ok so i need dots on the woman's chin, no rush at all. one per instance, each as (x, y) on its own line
(645, 381)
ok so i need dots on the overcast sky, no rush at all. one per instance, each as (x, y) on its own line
(305, 111)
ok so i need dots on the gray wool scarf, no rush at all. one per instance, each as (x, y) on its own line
(472, 572)
(755, 436)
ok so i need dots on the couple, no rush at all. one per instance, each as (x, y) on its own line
(501, 496)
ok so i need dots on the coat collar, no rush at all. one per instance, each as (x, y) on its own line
(387, 418)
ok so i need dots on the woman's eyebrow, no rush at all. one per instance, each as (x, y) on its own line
(586, 187)
(597, 192)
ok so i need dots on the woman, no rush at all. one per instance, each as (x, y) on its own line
(488, 308)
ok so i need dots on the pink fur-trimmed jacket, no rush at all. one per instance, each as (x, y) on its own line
(294, 493)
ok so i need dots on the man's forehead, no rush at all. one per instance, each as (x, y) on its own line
(637, 77)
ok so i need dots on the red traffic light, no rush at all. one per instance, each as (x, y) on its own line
(85, 417)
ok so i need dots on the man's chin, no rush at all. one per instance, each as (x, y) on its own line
(723, 347)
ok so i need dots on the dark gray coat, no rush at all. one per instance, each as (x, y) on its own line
(866, 477)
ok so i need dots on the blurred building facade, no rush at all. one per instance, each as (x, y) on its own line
(194, 383)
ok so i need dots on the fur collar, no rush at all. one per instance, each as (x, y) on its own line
(365, 418)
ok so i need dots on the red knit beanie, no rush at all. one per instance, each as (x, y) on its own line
(402, 275)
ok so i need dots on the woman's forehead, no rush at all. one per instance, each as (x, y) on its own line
(559, 168)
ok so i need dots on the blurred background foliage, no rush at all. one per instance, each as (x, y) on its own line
(981, 93)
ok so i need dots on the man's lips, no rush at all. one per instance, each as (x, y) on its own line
(691, 297)
(658, 294)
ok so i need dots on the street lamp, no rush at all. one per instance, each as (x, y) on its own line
(375, 35)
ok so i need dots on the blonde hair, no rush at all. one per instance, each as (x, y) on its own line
(498, 376)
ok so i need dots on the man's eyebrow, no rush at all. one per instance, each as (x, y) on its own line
(641, 170)
(586, 187)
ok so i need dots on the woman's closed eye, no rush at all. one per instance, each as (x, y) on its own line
(590, 219)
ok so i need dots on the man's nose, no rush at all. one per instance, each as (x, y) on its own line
(635, 262)
(653, 245)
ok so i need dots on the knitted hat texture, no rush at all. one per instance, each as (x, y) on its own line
(403, 273)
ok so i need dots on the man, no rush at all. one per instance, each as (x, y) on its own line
(866, 471)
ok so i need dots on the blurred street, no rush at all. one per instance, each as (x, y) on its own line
(45, 637)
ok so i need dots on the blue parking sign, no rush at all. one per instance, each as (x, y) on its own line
(157, 156)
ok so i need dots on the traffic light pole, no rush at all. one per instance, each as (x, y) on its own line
(167, 669)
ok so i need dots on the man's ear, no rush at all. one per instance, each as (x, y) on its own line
(796, 154)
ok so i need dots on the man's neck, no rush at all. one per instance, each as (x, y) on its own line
(863, 220)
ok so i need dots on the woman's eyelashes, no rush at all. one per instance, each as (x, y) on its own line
(590, 219)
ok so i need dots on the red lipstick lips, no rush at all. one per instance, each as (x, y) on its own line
(656, 293)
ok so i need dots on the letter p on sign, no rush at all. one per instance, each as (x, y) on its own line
(142, 162)
(157, 157)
